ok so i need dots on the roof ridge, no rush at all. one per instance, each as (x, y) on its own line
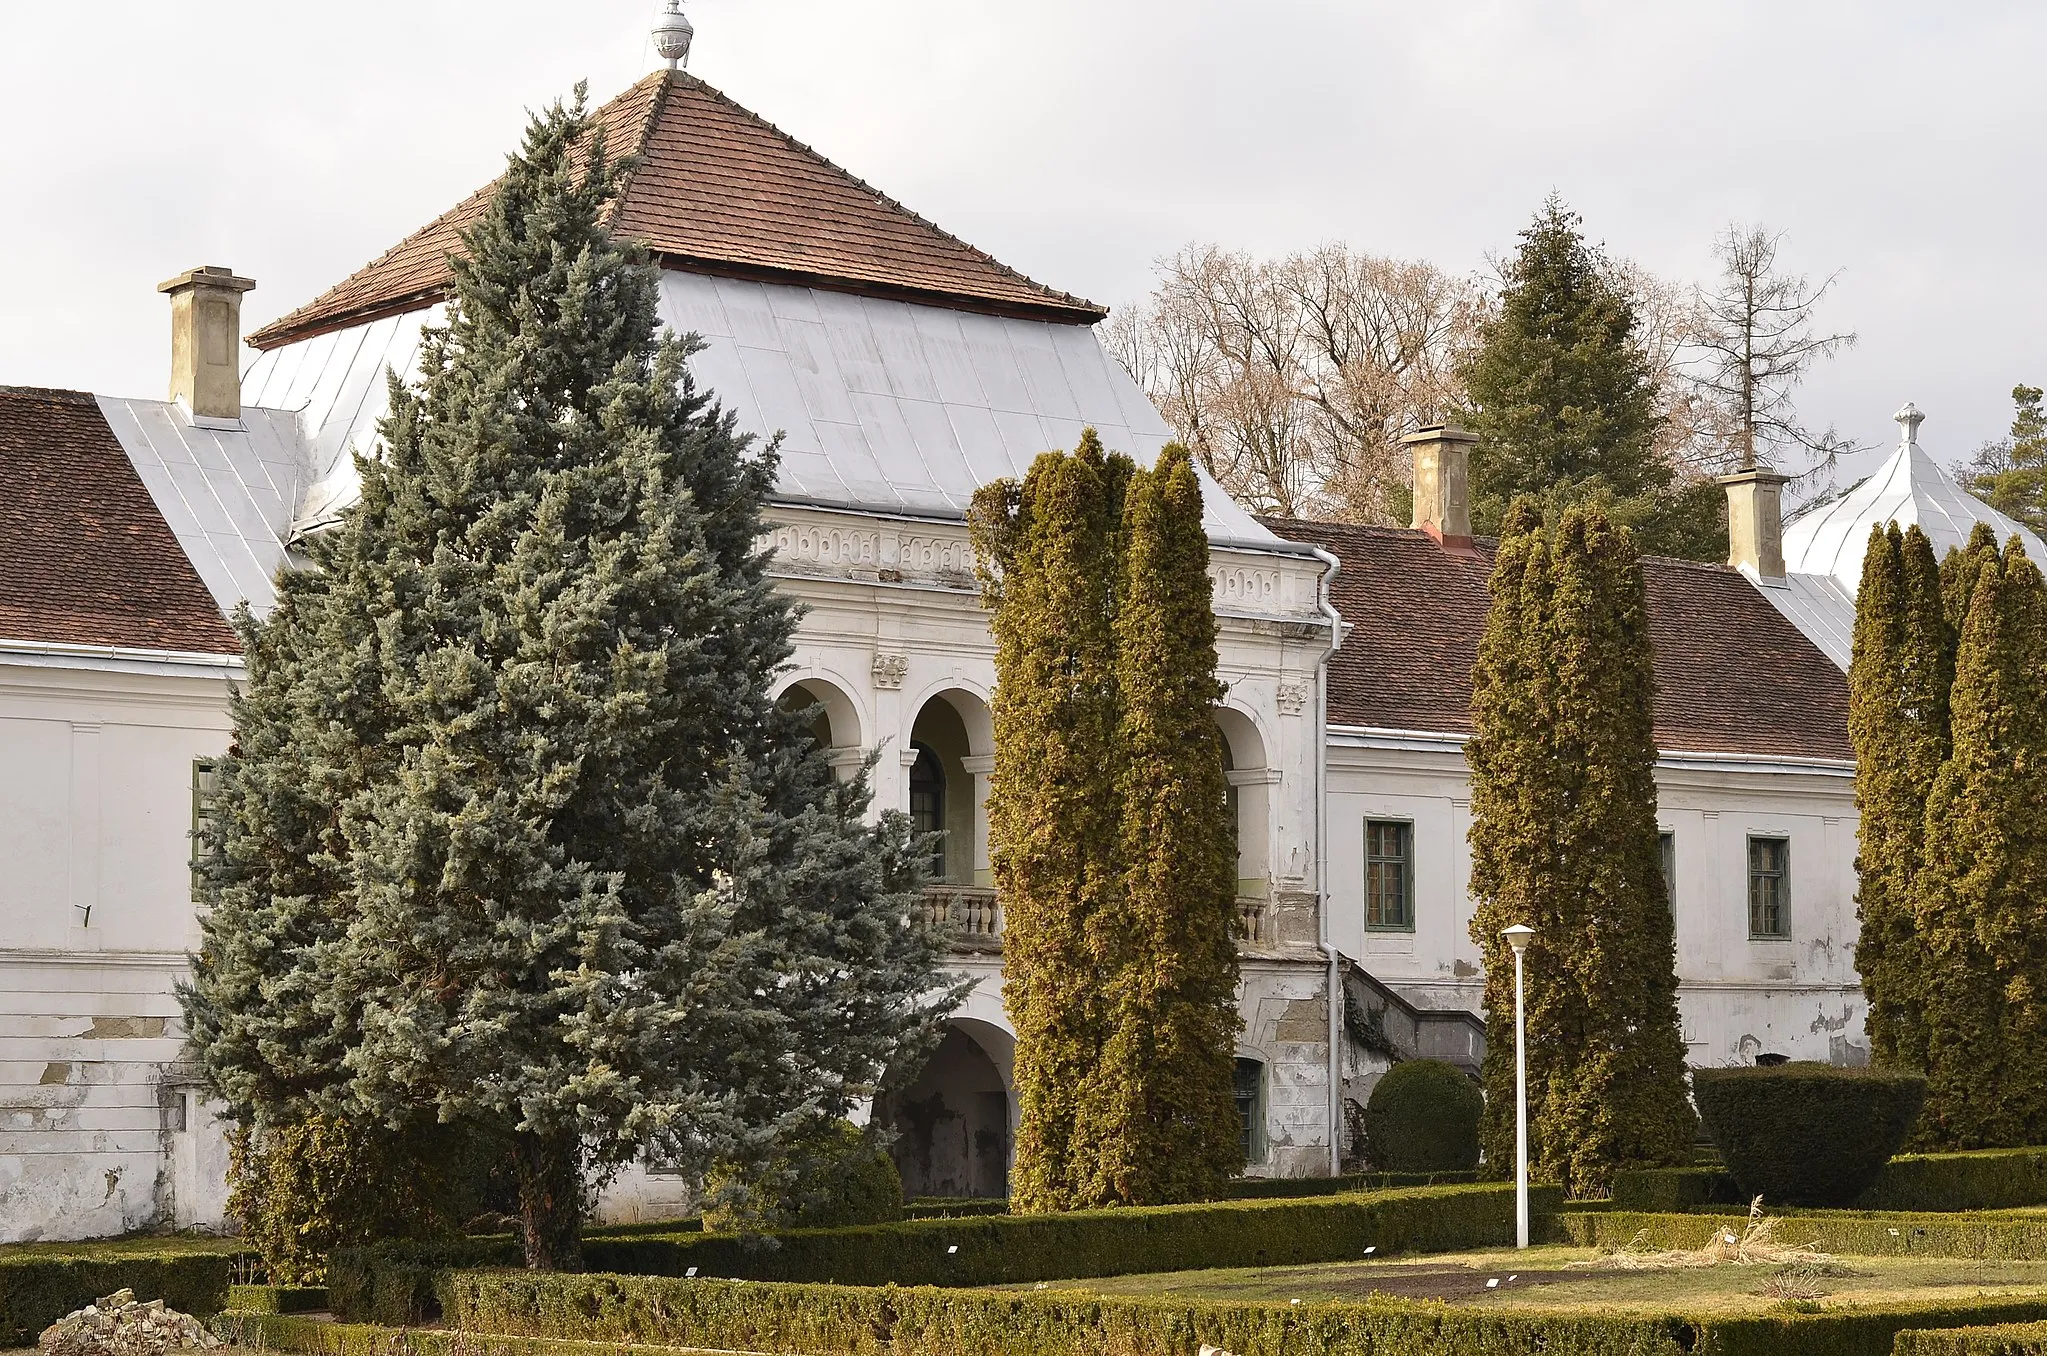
(639, 145)
(60, 394)
(922, 220)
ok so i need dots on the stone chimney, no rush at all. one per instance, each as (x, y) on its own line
(206, 341)
(1755, 522)
(1442, 482)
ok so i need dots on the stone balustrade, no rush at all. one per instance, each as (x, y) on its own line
(972, 917)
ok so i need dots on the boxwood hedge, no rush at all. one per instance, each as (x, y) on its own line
(394, 1283)
(276, 1299)
(2008, 1237)
(1273, 1188)
(523, 1314)
(2009, 1339)
(1981, 1179)
(1984, 1179)
(39, 1288)
(921, 1321)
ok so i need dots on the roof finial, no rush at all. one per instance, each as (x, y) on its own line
(672, 33)
(1909, 419)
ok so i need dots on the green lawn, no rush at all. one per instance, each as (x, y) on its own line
(1542, 1278)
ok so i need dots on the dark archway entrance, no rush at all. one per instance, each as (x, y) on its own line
(952, 1124)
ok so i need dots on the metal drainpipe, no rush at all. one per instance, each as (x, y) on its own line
(1332, 565)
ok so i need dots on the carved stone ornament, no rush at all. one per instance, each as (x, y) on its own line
(890, 669)
(1293, 698)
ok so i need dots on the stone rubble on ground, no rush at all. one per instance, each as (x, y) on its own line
(118, 1326)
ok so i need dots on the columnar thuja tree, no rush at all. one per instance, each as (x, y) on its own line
(514, 835)
(1050, 562)
(1161, 1107)
(1108, 824)
(1563, 839)
(1898, 683)
(1981, 892)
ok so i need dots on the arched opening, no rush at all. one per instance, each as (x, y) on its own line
(1250, 800)
(950, 758)
(833, 720)
(952, 1122)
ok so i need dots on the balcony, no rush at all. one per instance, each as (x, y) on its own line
(972, 918)
(970, 915)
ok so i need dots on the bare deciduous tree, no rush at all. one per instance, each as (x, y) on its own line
(1294, 379)
(1756, 344)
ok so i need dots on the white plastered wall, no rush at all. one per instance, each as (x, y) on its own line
(1738, 996)
(96, 919)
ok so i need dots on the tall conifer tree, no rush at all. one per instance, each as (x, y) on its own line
(1898, 721)
(1562, 399)
(1160, 1114)
(559, 827)
(1982, 895)
(1959, 571)
(1563, 839)
(1050, 561)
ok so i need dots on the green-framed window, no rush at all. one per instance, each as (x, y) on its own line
(1769, 887)
(1666, 857)
(205, 784)
(1248, 1084)
(1389, 875)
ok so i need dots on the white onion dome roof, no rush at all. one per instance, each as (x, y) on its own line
(1910, 488)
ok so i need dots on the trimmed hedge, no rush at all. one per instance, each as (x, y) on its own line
(2003, 1238)
(1980, 1179)
(37, 1290)
(1671, 1189)
(1806, 1133)
(522, 1314)
(2010, 1339)
(396, 1283)
(933, 1322)
(1277, 1188)
(1983, 1179)
(318, 1337)
(276, 1299)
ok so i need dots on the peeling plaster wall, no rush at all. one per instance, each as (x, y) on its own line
(1286, 1028)
(95, 921)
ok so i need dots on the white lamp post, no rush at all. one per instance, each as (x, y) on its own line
(1517, 937)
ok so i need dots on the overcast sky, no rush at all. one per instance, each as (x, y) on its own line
(1078, 140)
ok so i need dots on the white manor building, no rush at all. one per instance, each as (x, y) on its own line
(902, 369)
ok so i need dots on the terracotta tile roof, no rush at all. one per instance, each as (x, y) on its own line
(1732, 674)
(719, 190)
(85, 558)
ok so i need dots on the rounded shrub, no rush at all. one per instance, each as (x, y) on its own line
(1423, 1117)
(834, 1178)
(1806, 1133)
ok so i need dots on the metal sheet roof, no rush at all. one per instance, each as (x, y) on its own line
(228, 494)
(1910, 487)
(884, 405)
(1820, 606)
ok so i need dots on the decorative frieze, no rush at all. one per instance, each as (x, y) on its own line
(879, 550)
(833, 547)
(1241, 586)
